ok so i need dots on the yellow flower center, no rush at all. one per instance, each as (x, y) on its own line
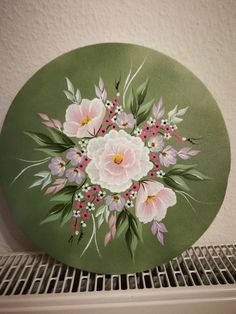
(125, 123)
(116, 198)
(85, 120)
(118, 158)
(150, 198)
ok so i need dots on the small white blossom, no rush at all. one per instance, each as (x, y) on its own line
(184, 139)
(133, 194)
(129, 204)
(167, 136)
(118, 94)
(151, 121)
(137, 132)
(76, 232)
(164, 122)
(102, 194)
(173, 127)
(114, 118)
(76, 213)
(119, 109)
(79, 197)
(90, 206)
(83, 143)
(86, 187)
(160, 174)
(108, 104)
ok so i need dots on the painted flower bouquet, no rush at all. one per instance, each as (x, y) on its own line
(115, 163)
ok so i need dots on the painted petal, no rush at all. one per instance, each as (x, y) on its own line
(73, 113)
(107, 238)
(154, 228)
(161, 227)
(160, 237)
(70, 128)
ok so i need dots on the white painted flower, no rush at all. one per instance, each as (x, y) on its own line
(137, 132)
(164, 122)
(85, 119)
(114, 118)
(116, 160)
(90, 206)
(76, 213)
(167, 136)
(86, 187)
(79, 197)
(83, 142)
(102, 194)
(160, 174)
(118, 109)
(108, 104)
(151, 121)
(133, 194)
(129, 204)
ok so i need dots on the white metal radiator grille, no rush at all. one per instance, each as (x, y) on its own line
(37, 273)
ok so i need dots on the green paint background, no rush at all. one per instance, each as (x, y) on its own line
(44, 93)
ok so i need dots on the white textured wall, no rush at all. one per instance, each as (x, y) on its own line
(198, 33)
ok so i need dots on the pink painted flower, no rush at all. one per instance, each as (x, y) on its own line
(95, 189)
(75, 156)
(144, 135)
(157, 166)
(97, 200)
(135, 187)
(125, 120)
(57, 166)
(102, 131)
(116, 101)
(75, 175)
(84, 120)
(116, 160)
(152, 175)
(107, 121)
(80, 205)
(89, 196)
(152, 201)
(168, 156)
(155, 143)
(153, 156)
(85, 215)
(153, 131)
(159, 229)
(127, 194)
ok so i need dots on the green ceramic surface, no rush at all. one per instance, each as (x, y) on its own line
(199, 195)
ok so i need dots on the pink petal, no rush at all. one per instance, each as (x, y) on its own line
(154, 228)
(49, 190)
(71, 128)
(113, 231)
(107, 238)
(73, 113)
(50, 124)
(57, 123)
(160, 237)
(43, 116)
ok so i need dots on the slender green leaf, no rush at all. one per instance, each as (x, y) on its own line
(142, 92)
(61, 137)
(70, 86)
(65, 194)
(143, 115)
(52, 149)
(133, 105)
(133, 226)
(195, 175)
(54, 214)
(39, 138)
(131, 242)
(176, 182)
(69, 96)
(66, 214)
(179, 169)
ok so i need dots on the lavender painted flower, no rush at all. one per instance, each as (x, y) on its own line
(158, 229)
(125, 120)
(115, 202)
(75, 175)
(156, 143)
(57, 166)
(168, 156)
(75, 156)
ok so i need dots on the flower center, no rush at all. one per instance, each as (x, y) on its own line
(85, 120)
(61, 165)
(118, 158)
(125, 123)
(150, 198)
(116, 198)
(154, 144)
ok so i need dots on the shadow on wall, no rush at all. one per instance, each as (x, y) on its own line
(12, 238)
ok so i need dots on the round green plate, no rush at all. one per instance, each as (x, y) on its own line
(114, 158)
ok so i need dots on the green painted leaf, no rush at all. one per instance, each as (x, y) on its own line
(65, 194)
(70, 86)
(134, 227)
(179, 169)
(52, 149)
(195, 175)
(142, 92)
(39, 138)
(69, 96)
(54, 214)
(66, 214)
(142, 116)
(131, 242)
(61, 137)
(133, 105)
(176, 182)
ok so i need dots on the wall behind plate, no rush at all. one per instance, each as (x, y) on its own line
(199, 34)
